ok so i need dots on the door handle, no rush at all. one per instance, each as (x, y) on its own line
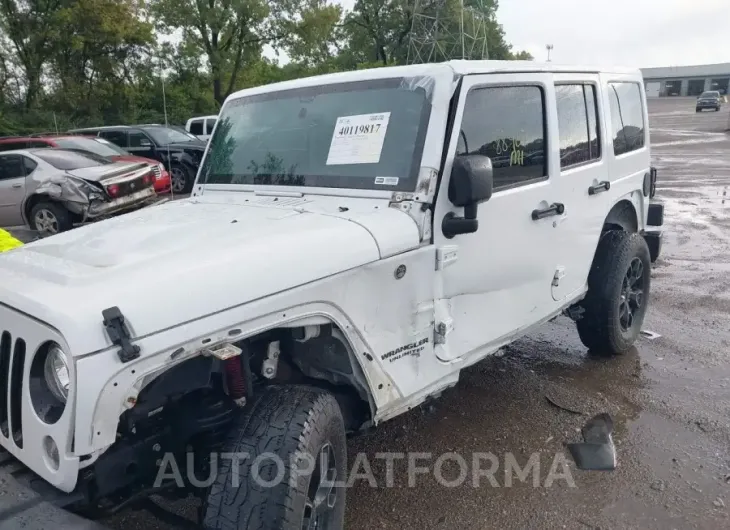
(556, 208)
(598, 188)
(17, 185)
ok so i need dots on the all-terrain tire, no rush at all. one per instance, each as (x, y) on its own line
(600, 326)
(283, 421)
(51, 214)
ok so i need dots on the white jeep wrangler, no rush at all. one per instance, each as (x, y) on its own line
(353, 241)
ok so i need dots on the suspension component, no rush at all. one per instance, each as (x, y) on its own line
(235, 380)
(271, 363)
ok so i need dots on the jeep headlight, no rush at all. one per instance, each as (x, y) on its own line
(49, 382)
(55, 371)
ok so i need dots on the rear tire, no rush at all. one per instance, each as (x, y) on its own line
(49, 218)
(182, 179)
(282, 423)
(618, 294)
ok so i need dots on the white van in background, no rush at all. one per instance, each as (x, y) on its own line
(202, 126)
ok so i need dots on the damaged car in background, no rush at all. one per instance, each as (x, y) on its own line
(51, 190)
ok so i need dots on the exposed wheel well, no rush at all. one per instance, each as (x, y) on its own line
(31, 202)
(623, 217)
(42, 197)
(315, 353)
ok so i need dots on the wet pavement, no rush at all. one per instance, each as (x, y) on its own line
(669, 397)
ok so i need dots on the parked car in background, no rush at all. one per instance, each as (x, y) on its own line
(179, 151)
(96, 145)
(202, 126)
(709, 100)
(50, 190)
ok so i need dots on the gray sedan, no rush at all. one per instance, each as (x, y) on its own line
(50, 190)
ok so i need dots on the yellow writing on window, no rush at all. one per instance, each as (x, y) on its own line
(517, 156)
(515, 149)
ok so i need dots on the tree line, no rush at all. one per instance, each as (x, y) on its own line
(73, 63)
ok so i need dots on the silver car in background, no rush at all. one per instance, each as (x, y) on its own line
(50, 190)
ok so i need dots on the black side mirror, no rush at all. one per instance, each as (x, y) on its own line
(471, 183)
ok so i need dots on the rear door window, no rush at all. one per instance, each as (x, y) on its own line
(577, 124)
(196, 127)
(139, 139)
(11, 167)
(115, 137)
(627, 117)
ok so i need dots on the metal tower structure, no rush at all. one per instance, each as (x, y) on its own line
(444, 30)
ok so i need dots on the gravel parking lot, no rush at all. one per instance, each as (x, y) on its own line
(669, 397)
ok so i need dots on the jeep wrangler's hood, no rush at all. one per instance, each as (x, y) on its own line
(176, 262)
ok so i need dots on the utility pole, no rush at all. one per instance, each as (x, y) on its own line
(549, 48)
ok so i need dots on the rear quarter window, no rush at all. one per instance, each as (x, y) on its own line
(29, 165)
(627, 117)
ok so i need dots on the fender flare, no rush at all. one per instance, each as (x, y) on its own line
(115, 384)
(622, 216)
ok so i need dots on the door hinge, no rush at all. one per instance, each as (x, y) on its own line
(118, 332)
(442, 329)
(559, 275)
(445, 256)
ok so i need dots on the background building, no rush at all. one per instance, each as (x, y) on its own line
(686, 80)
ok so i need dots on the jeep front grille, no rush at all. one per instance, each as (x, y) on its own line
(12, 364)
(23, 432)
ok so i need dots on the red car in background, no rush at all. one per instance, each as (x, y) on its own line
(95, 145)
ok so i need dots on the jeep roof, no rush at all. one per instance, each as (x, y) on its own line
(457, 68)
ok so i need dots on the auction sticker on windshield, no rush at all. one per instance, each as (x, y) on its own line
(358, 139)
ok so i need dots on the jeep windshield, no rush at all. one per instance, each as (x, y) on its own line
(366, 135)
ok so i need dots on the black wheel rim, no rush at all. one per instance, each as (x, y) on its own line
(632, 295)
(319, 509)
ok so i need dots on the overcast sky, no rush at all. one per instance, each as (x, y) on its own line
(635, 33)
